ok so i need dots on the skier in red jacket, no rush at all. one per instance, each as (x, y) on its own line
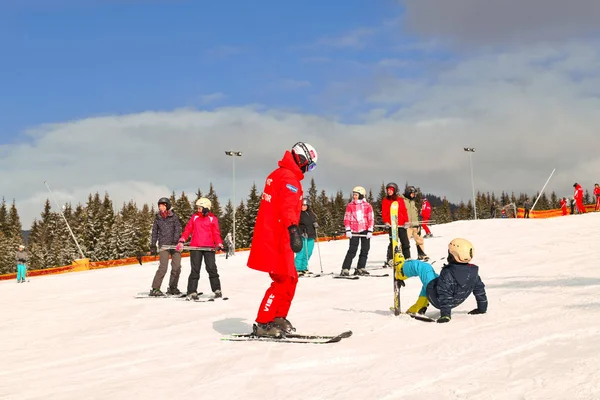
(597, 194)
(403, 221)
(276, 238)
(578, 196)
(563, 205)
(425, 215)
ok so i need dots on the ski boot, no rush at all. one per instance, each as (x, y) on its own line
(267, 330)
(420, 306)
(192, 296)
(361, 271)
(283, 324)
(218, 294)
(345, 272)
(156, 293)
(398, 267)
(422, 256)
(173, 291)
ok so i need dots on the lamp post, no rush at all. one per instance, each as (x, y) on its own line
(471, 150)
(233, 155)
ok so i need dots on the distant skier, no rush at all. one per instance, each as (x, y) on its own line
(456, 281)
(22, 258)
(578, 196)
(597, 195)
(392, 195)
(425, 215)
(166, 230)
(308, 229)
(563, 206)
(277, 237)
(230, 250)
(358, 219)
(413, 216)
(526, 207)
(204, 228)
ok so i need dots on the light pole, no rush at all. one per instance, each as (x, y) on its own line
(471, 150)
(233, 155)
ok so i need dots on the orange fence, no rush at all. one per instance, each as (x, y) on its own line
(550, 213)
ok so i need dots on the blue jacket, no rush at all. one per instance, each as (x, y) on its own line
(455, 283)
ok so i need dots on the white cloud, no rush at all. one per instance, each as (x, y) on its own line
(212, 97)
(353, 39)
(526, 112)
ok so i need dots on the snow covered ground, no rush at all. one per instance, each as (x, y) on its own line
(84, 336)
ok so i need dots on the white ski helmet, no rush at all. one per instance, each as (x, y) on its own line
(461, 250)
(305, 156)
(203, 202)
(360, 190)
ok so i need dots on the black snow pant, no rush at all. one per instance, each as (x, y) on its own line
(196, 257)
(365, 245)
(404, 244)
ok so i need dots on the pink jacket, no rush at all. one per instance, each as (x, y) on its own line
(205, 231)
(359, 216)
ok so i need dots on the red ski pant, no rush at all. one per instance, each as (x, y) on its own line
(580, 207)
(278, 298)
(597, 203)
(424, 226)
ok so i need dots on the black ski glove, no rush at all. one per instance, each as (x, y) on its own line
(295, 239)
(153, 250)
(476, 312)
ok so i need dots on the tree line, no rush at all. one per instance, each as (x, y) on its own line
(104, 233)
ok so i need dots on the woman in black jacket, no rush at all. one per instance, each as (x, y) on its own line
(308, 229)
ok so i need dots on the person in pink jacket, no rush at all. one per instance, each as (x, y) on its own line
(358, 222)
(578, 196)
(204, 228)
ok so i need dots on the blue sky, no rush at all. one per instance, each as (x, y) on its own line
(151, 92)
(66, 60)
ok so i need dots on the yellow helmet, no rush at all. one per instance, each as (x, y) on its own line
(203, 202)
(461, 250)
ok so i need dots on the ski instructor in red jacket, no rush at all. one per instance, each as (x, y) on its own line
(276, 238)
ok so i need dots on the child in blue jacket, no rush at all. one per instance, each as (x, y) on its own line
(457, 280)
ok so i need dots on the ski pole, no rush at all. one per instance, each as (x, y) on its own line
(319, 250)
(189, 248)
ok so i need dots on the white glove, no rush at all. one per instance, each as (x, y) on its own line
(369, 235)
(349, 234)
(406, 225)
(388, 225)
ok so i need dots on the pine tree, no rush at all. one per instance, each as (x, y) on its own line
(324, 216)
(252, 205)
(145, 221)
(441, 214)
(184, 209)
(215, 205)
(242, 235)
(377, 207)
(7, 255)
(15, 228)
(4, 228)
(226, 222)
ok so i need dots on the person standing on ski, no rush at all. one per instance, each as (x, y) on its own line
(21, 258)
(358, 220)
(204, 228)
(578, 197)
(277, 237)
(425, 215)
(563, 206)
(229, 251)
(166, 230)
(308, 229)
(597, 195)
(413, 216)
(457, 280)
(392, 195)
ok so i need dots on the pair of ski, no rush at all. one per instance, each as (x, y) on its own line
(355, 277)
(288, 338)
(146, 295)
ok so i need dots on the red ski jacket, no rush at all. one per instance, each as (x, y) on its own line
(279, 208)
(578, 193)
(426, 210)
(386, 203)
(205, 231)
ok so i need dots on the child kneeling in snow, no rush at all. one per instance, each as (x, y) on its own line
(457, 280)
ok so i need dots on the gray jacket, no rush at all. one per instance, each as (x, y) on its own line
(21, 257)
(165, 230)
(413, 213)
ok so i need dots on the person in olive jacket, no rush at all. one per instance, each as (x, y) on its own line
(166, 230)
(308, 229)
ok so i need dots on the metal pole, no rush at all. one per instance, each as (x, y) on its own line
(471, 150)
(539, 195)
(66, 222)
(233, 154)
